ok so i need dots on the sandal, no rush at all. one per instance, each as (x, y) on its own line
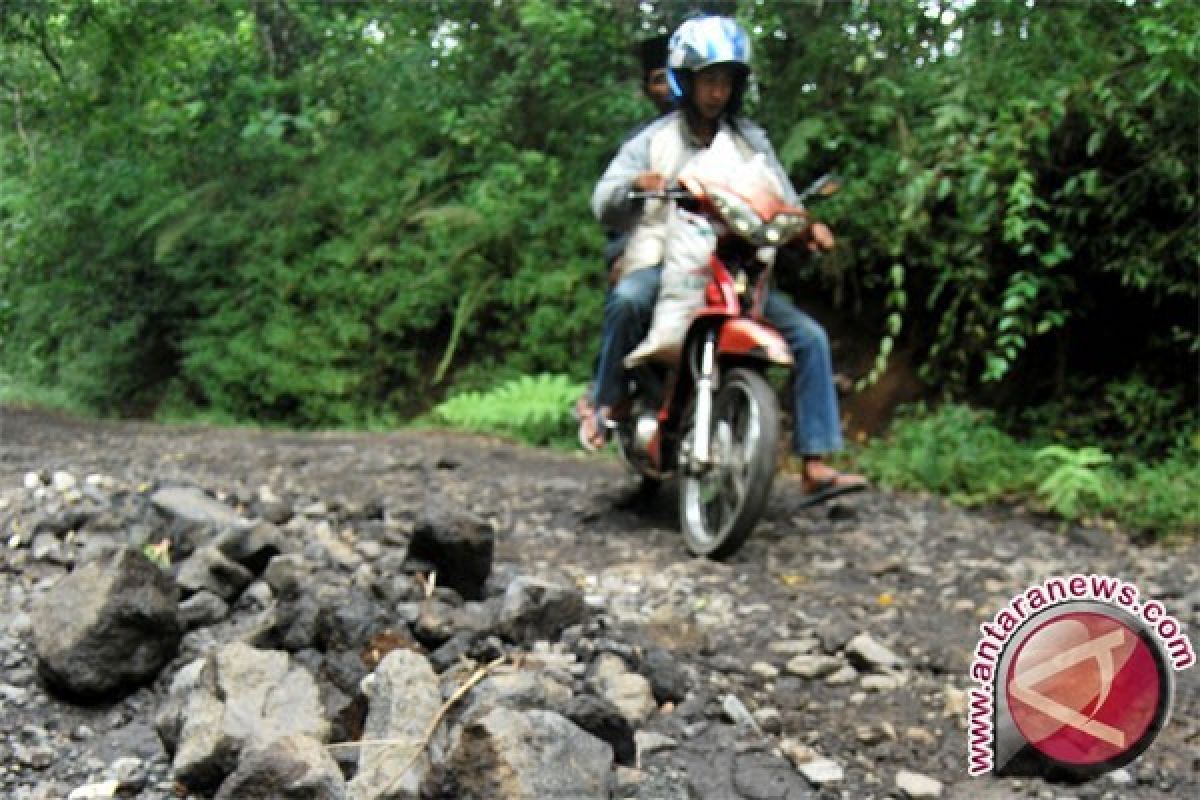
(593, 424)
(834, 484)
(593, 431)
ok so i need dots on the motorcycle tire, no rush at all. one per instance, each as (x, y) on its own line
(720, 507)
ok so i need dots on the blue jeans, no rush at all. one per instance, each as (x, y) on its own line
(629, 309)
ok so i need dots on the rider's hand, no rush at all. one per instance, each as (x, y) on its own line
(819, 237)
(650, 182)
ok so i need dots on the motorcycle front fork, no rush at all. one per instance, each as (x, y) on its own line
(700, 457)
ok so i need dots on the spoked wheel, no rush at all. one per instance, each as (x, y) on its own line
(720, 503)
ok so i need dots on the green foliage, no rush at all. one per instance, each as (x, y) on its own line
(1162, 497)
(335, 213)
(1074, 480)
(956, 451)
(1130, 417)
(534, 409)
(963, 454)
(1029, 165)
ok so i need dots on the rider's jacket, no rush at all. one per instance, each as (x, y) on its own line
(664, 146)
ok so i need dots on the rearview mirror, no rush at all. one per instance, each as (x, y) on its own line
(824, 186)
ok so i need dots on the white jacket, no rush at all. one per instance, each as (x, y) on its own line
(665, 146)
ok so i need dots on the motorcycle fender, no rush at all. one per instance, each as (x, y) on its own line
(745, 337)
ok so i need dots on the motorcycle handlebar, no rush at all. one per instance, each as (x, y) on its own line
(661, 194)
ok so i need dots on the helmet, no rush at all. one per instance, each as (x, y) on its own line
(702, 42)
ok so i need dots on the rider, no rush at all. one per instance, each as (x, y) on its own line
(708, 70)
(652, 52)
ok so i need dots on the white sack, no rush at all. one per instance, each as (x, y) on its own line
(690, 244)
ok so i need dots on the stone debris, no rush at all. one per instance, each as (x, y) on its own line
(916, 786)
(294, 617)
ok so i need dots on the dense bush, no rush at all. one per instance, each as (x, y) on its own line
(321, 213)
(962, 454)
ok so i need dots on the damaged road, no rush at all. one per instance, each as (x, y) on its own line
(425, 614)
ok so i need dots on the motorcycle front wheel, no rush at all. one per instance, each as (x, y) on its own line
(719, 503)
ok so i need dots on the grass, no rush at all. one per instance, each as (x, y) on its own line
(964, 455)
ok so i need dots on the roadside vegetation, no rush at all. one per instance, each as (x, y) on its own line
(305, 215)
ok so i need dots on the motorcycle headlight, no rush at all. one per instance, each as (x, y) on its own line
(781, 229)
(737, 213)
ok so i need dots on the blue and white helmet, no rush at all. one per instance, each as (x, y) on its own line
(702, 42)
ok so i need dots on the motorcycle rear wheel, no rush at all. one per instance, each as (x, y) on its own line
(719, 507)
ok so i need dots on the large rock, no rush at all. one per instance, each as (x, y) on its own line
(241, 697)
(530, 755)
(534, 609)
(403, 698)
(456, 543)
(107, 626)
(288, 768)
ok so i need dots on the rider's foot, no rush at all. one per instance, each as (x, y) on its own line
(820, 482)
(593, 429)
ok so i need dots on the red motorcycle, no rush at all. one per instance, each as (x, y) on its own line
(711, 416)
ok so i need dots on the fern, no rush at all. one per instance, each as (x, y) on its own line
(533, 408)
(1075, 479)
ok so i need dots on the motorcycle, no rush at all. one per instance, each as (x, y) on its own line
(709, 415)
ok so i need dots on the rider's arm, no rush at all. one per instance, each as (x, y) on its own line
(610, 200)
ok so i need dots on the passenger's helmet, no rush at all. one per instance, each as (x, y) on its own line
(702, 42)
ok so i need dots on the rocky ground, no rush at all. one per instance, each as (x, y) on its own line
(423, 614)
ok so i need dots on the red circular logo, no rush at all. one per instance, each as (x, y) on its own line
(1084, 689)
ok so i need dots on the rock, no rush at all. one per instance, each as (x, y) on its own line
(531, 755)
(648, 743)
(47, 547)
(737, 713)
(107, 626)
(813, 666)
(518, 690)
(534, 609)
(798, 752)
(403, 697)
(348, 618)
(675, 630)
(868, 654)
(242, 697)
(327, 547)
(193, 505)
(916, 786)
(882, 683)
(210, 569)
(764, 670)
(762, 776)
(769, 720)
(601, 719)
(201, 609)
(822, 771)
(630, 694)
(96, 791)
(288, 572)
(457, 543)
(668, 679)
(252, 547)
(842, 676)
(293, 767)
